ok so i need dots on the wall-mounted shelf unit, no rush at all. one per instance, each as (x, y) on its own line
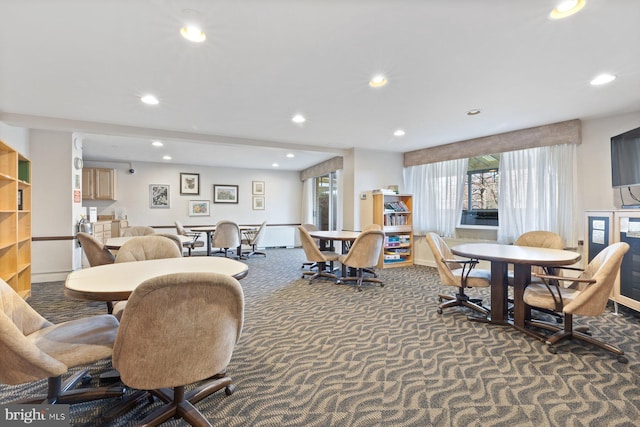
(15, 220)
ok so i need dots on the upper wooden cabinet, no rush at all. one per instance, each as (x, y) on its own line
(98, 184)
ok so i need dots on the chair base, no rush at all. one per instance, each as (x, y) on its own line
(178, 404)
(318, 274)
(359, 278)
(462, 300)
(63, 393)
(580, 333)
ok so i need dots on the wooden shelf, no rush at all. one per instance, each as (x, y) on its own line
(15, 224)
(393, 212)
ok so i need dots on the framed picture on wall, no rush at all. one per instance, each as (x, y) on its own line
(257, 188)
(225, 193)
(190, 183)
(258, 203)
(159, 196)
(199, 208)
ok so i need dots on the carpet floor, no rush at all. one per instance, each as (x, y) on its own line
(322, 355)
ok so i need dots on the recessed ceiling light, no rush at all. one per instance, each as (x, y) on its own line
(290, 155)
(157, 143)
(193, 33)
(378, 81)
(603, 79)
(275, 165)
(399, 132)
(473, 112)
(298, 118)
(566, 8)
(150, 100)
(166, 157)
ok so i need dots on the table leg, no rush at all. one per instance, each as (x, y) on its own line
(498, 292)
(208, 243)
(521, 278)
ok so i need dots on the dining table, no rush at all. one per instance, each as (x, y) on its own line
(115, 282)
(210, 229)
(116, 243)
(328, 237)
(522, 258)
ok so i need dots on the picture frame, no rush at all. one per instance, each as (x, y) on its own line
(225, 193)
(199, 208)
(258, 203)
(190, 184)
(159, 196)
(257, 188)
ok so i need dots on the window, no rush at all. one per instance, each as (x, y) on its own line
(480, 204)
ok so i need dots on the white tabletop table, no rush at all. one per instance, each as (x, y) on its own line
(114, 282)
(522, 257)
(210, 229)
(117, 242)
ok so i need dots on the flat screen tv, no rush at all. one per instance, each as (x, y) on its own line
(625, 159)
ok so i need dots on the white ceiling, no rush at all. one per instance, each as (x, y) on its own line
(83, 64)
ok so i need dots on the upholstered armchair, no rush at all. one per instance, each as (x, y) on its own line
(97, 254)
(587, 295)
(143, 248)
(316, 256)
(363, 254)
(137, 230)
(32, 348)
(539, 239)
(253, 238)
(227, 236)
(310, 227)
(192, 341)
(193, 235)
(460, 273)
(174, 238)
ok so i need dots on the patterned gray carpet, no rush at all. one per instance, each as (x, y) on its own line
(325, 355)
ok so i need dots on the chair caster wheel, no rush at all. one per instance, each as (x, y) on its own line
(229, 389)
(439, 310)
(552, 349)
(623, 359)
(358, 289)
(439, 299)
(338, 282)
(382, 285)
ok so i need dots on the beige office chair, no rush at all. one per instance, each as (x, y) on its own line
(364, 254)
(161, 347)
(316, 256)
(143, 248)
(174, 238)
(32, 348)
(459, 273)
(193, 235)
(227, 236)
(97, 254)
(138, 230)
(253, 238)
(586, 296)
(539, 239)
(310, 227)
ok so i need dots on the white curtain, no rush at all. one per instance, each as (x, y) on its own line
(537, 188)
(438, 190)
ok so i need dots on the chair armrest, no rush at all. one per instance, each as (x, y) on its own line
(563, 278)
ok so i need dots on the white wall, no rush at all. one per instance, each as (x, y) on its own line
(52, 200)
(15, 137)
(594, 164)
(371, 169)
(283, 192)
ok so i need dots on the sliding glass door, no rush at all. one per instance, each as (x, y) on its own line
(325, 203)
